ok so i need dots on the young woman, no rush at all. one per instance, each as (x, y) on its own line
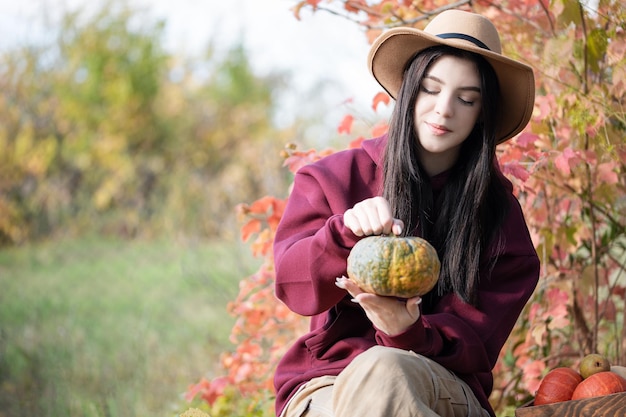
(434, 175)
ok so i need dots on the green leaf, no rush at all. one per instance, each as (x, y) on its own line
(569, 12)
(597, 42)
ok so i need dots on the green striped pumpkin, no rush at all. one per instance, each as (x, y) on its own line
(402, 267)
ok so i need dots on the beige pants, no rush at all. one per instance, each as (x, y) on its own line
(386, 382)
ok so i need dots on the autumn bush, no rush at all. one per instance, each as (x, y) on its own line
(568, 171)
(103, 130)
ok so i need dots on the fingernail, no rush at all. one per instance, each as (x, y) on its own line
(354, 300)
(340, 282)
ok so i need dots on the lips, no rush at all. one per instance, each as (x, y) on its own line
(438, 129)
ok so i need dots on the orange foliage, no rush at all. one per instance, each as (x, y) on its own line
(208, 391)
(295, 159)
(380, 98)
(346, 124)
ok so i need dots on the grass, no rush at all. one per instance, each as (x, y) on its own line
(96, 327)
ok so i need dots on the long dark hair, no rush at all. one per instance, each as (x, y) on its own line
(464, 218)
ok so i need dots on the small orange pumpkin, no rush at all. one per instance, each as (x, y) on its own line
(402, 267)
(557, 386)
(600, 384)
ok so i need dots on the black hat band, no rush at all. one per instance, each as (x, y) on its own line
(464, 37)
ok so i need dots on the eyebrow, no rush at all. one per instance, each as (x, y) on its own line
(439, 80)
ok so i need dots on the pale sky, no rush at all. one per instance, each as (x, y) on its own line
(317, 47)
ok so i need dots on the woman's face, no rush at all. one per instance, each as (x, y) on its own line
(447, 108)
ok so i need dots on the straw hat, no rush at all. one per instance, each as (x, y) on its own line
(391, 52)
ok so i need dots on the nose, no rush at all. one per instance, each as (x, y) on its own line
(444, 105)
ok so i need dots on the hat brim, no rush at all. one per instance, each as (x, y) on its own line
(392, 50)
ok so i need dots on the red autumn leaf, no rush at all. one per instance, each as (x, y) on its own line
(209, 391)
(215, 390)
(562, 161)
(346, 124)
(532, 313)
(610, 310)
(256, 318)
(607, 174)
(296, 9)
(294, 163)
(512, 153)
(353, 5)
(243, 372)
(589, 156)
(557, 312)
(564, 206)
(380, 98)
(380, 129)
(195, 389)
(278, 208)
(324, 153)
(531, 375)
(526, 139)
(356, 143)
(262, 205)
(298, 159)
(262, 245)
(249, 350)
(516, 169)
(544, 106)
(251, 227)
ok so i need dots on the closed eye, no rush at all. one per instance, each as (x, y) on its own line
(463, 101)
(465, 90)
(427, 91)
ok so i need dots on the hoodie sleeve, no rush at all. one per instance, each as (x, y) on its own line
(312, 243)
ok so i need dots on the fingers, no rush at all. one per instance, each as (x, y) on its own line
(348, 285)
(352, 222)
(390, 315)
(413, 307)
(398, 226)
(372, 217)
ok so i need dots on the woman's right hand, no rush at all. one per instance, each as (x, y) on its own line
(372, 217)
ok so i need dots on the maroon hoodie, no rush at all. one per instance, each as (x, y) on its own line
(310, 252)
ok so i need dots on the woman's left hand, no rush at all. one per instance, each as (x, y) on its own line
(388, 314)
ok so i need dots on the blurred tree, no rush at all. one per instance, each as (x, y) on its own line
(229, 127)
(102, 130)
